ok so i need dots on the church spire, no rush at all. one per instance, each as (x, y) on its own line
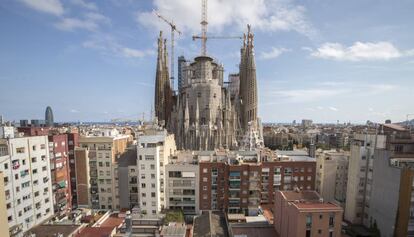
(159, 103)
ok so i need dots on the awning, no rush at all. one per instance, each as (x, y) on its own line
(62, 184)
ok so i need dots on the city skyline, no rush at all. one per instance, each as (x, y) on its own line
(72, 54)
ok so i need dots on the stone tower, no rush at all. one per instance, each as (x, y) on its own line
(163, 92)
(248, 83)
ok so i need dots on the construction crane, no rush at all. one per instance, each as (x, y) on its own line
(204, 24)
(173, 29)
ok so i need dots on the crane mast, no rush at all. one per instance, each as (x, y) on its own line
(204, 24)
(173, 29)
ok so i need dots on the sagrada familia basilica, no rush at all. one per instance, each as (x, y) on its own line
(207, 113)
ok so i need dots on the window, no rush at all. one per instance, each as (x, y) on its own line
(331, 220)
(107, 164)
(277, 170)
(142, 176)
(6, 166)
(144, 204)
(152, 176)
(204, 179)
(142, 167)
(100, 164)
(149, 157)
(34, 147)
(20, 150)
(153, 167)
(143, 185)
(205, 170)
(204, 188)
(319, 231)
(143, 194)
(34, 159)
(153, 185)
(309, 221)
(152, 194)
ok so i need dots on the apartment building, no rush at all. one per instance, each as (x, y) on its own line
(304, 213)
(25, 164)
(3, 211)
(390, 207)
(73, 142)
(360, 168)
(101, 151)
(182, 182)
(128, 179)
(240, 181)
(332, 175)
(153, 149)
(60, 173)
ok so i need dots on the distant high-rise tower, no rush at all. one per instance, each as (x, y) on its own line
(49, 117)
(181, 64)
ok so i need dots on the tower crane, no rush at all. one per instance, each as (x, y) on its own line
(204, 24)
(173, 29)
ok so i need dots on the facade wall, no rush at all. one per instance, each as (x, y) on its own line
(385, 193)
(73, 142)
(332, 175)
(103, 168)
(83, 185)
(60, 172)
(360, 175)
(221, 187)
(28, 188)
(182, 182)
(3, 211)
(291, 220)
(153, 152)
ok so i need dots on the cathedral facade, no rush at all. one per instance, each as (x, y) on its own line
(206, 113)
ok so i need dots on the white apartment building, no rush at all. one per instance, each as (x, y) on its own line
(153, 151)
(24, 162)
(103, 153)
(360, 173)
(182, 182)
(332, 175)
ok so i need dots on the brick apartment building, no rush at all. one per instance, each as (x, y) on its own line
(60, 172)
(240, 185)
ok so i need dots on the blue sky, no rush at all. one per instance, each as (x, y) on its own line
(319, 59)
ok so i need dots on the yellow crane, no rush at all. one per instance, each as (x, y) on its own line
(173, 29)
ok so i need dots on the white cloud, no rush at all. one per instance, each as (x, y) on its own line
(274, 53)
(360, 51)
(91, 22)
(53, 7)
(308, 95)
(108, 46)
(70, 24)
(270, 15)
(333, 108)
(84, 4)
(326, 92)
(74, 111)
